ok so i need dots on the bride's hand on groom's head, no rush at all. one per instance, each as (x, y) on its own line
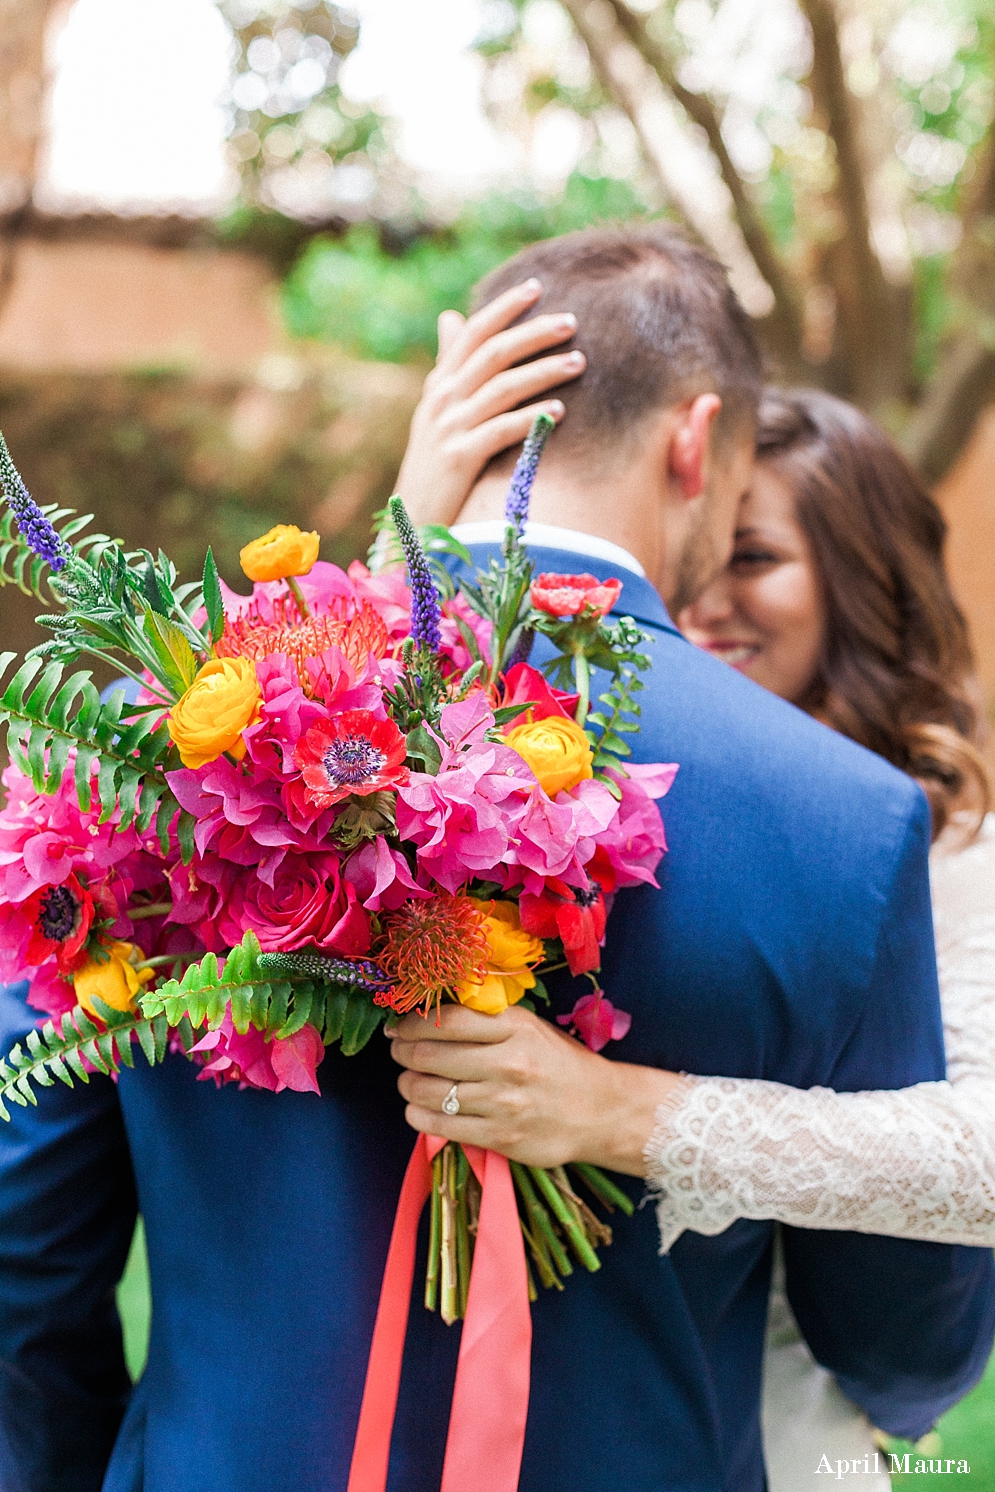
(526, 1089)
(468, 410)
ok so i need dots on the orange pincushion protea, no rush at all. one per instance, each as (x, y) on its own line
(358, 636)
(430, 948)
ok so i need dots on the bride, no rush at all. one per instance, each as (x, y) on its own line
(836, 599)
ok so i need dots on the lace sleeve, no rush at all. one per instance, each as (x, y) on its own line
(917, 1163)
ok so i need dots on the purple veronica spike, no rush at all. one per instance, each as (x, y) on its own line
(37, 532)
(425, 610)
(354, 973)
(516, 504)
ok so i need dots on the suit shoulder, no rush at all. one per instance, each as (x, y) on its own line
(718, 724)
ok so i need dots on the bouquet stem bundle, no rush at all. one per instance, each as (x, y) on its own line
(556, 1222)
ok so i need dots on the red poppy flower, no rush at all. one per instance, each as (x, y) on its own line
(575, 915)
(61, 918)
(567, 595)
(350, 753)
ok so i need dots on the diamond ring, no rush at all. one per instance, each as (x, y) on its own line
(450, 1104)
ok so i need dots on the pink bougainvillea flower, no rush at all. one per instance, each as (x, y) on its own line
(61, 917)
(351, 753)
(567, 595)
(596, 1021)
(454, 646)
(253, 1062)
(525, 685)
(295, 1059)
(463, 819)
(381, 877)
(45, 839)
(635, 842)
(50, 993)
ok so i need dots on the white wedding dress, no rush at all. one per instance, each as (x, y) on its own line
(918, 1163)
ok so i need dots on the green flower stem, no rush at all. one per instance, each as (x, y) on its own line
(605, 1190)
(533, 1292)
(539, 1217)
(434, 1235)
(582, 674)
(120, 667)
(449, 1271)
(168, 958)
(298, 596)
(547, 1273)
(463, 1251)
(566, 1217)
(154, 909)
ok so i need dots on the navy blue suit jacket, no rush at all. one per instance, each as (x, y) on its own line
(790, 939)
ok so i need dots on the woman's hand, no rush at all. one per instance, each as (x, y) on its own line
(467, 412)
(526, 1090)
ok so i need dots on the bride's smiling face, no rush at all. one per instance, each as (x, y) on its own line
(764, 614)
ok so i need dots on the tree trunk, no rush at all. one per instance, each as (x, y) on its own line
(22, 77)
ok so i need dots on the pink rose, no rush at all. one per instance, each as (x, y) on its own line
(308, 905)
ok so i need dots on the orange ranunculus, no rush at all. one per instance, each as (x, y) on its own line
(116, 981)
(283, 551)
(556, 749)
(211, 716)
(510, 953)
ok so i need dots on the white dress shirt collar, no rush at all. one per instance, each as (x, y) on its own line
(549, 536)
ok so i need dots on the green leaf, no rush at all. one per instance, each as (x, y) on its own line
(175, 655)
(185, 826)
(158, 602)
(335, 1007)
(422, 747)
(436, 538)
(212, 597)
(146, 1041)
(362, 1018)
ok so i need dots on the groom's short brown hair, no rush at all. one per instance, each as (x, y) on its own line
(656, 319)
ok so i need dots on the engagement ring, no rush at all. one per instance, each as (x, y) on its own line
(450, 1104)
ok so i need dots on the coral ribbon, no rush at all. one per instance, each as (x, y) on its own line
(491, 1393)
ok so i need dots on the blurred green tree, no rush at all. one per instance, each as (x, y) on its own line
(382, 301)
(844, 166)
(301, 146)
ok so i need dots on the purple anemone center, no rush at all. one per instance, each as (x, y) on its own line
(589, 897)
(352, 759)
(57, 915)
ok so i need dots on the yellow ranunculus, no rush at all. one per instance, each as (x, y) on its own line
(116, 982)
(283, 551)
(211, 716)
(556, 749)
(510, 954)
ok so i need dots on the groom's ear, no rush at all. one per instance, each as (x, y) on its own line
(688, 453)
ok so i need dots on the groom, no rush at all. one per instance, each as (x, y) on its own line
(790, 939)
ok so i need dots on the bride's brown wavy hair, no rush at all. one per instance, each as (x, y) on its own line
(896, 672)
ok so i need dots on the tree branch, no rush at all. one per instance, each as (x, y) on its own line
(785, 320)
(961, 388)
(863, 295)
(964, 382)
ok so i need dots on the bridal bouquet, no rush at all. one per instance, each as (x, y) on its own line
(344, 796)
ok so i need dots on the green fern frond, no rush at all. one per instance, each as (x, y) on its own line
(278, 1007)
(58, 1049)
(48, 715)
(20, 566)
